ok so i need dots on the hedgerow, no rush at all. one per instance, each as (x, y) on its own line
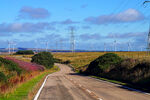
(24, 52)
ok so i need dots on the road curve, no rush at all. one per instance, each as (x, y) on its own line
(67, 85)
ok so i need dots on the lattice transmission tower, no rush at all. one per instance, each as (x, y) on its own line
(72, 40)
(148, 42)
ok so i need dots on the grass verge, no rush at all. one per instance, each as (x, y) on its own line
(122, 83)
(27, 90)
(108, 80)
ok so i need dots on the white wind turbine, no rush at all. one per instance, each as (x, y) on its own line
(9, 46)
(46, 45)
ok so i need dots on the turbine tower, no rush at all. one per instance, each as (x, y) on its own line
(115, 42)
(104, 47)
(129, 46)
(13, 46)
(72, 40)
(9, 45)
(46, 43)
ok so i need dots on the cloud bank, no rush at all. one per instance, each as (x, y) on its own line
(129, 15)
(33, 13)
(25, 27)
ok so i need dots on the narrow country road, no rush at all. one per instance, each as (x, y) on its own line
(67, 85)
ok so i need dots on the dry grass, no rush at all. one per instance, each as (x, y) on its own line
(81, 59)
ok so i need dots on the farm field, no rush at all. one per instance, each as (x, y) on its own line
(80, 59)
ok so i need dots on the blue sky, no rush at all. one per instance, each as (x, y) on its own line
(29, 23)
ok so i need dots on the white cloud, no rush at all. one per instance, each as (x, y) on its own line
(129, 15)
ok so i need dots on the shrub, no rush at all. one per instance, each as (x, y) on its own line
(129, 63)
(44, 58)
(3, 78)
(24, 52)
(56, 60)
(140, 71)
(66, 62)
(103, 64)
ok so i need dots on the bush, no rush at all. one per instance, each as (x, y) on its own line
(44, 58)
(140, 71)
(24, 52)
(66, 62)
(103, 64)
(129, 63)
(3, 78)
(56, 60)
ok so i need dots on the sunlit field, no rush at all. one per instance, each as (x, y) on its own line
(80, 59)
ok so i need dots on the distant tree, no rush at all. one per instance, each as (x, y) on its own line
(24, 52)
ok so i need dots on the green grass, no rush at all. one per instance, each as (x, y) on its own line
(108, 80)
(122, 83)
(21, 93)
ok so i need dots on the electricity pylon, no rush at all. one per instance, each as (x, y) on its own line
(72, 40)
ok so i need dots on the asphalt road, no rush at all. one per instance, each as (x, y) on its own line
(67, 85)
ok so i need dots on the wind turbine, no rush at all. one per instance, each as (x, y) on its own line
(115, 43)
(129, 46)
(104, 47)
(9, 46)
(46, 45)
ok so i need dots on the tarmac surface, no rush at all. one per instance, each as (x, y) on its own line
(68, 85)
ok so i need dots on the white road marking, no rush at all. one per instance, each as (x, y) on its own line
(82, 87)
(88, 91)
(100, 99)
(120, 85)
(38, 93)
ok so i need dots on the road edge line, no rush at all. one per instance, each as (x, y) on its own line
(39, 91)
(130, 88)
